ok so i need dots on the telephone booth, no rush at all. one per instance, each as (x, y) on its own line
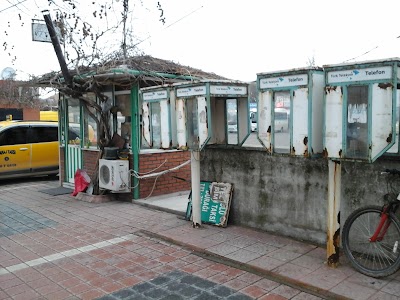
(360, 106)
(189, 115)
(290, 106)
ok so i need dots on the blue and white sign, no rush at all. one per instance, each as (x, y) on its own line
(191, 91)
(228, 90)
(360, 74)
(283, 81)
(156, 95)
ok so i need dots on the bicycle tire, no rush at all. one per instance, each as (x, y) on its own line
(375, 259)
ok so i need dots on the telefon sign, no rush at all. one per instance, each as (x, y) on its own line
(284, 81)
(376, 73)
(191, 91)
(157, 95)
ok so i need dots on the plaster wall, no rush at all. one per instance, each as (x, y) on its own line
(288, 195)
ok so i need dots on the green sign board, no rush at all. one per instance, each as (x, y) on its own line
(215, 200)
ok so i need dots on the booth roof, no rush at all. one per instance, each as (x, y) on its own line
(141, 67)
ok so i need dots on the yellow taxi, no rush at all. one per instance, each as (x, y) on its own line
(28, 148)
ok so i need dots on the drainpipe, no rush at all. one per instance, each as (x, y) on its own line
(333, 218)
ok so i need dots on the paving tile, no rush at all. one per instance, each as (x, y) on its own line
(306, 296)
(9, 283)
(382, 295)
(18, 289)
(284, 255)
(353, 291)
(223, 249)
(266, 262)
(236, 284)
(48, 289)
(91, 294)
(292, 271)
(285, 291)
(254, 291)
(243, 256)
(249, 277)
(393, 288)
(272, 296)
(26, 295)
(369, 282)
(309, 262)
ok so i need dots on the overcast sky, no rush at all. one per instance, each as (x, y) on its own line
(235, 39)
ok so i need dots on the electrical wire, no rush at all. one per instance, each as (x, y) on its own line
(173, 23)
(138, 176)
(156, 175)
(20, 2)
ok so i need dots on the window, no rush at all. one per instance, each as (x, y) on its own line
(123, 116)
(90, 130)
(43, 134)
(357, 122)
(14, 136)
(281, 122)
(151, 125)
(192, 123)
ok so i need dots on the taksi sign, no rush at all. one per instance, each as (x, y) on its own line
(191, 91)
(228, 90)
(283, 81)
(157, 95)
(215, 200)
(360, 74)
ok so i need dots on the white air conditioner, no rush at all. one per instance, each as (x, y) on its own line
(114, 175)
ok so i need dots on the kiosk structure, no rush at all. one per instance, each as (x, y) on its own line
(190, 115)
(360, 109)
(290, 106)
(360, 112)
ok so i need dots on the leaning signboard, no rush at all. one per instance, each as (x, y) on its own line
(215, 200)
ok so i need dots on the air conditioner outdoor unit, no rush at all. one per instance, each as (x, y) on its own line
(114, 175)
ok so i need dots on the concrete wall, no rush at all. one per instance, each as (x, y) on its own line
(288, 195)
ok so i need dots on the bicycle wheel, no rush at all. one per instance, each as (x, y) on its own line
(375, 259)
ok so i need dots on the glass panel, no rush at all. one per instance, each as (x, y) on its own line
(155, 124)
(232, 123)
(90, 124)
(281, 122)
(14, 136)
(192, 124)
(357, 122)
(395, 147)
(62, 121)
(73, 122)
(123, 102)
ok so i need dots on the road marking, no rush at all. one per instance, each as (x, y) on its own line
(67, 253)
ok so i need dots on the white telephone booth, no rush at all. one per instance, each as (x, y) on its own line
(212, 112)
(360, 109)
(290, 111)
(190, 115)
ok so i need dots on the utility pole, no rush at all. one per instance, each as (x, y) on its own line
(57, 48)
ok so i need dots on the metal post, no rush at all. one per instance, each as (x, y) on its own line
(57, 48)
(196, 203)
(333, 221)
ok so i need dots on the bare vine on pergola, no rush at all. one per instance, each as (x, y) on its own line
(79, 35)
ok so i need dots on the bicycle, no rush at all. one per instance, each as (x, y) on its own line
(371, 235)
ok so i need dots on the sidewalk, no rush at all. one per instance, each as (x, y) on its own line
(56, 247)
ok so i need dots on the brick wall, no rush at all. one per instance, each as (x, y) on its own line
(31, 114)
(90, 159)
(165, 184)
